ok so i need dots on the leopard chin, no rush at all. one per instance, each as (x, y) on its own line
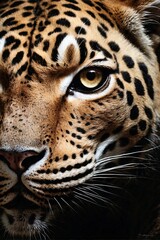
(25, 223)
(28, 221)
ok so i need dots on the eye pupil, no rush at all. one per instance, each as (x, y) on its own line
(91, 75)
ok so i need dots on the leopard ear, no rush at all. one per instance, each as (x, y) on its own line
(150, 17)
(137, 19)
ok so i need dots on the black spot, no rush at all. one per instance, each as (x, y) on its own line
(139, 87)
(133, 130)
(72, 116)
(78, 146)
(102, 32)
(126, 76)
(147, 78)
(10, 21)
(59, 39)
(104, 17)
(38, 59)
(104, 27)
(123, 142)
(62, 169)
(72, 142)
(128, 61)
(91, 137)
(86, 21)
(9, 40)
(70, 14)
(26, 14)
(79, 137)
(129, 98)
(73, 135)
(114, 46)
(142, 125)
(134, 112)
(45, 45)
(80, 30)
(83, 49)
(143, 67)
(48, 171)
(53, 13)
(85, 151)
(65, 157)
(73, 156)
(120, 83)
(22, 68)
(28, 8)
(72, 6)
(148, 112)
(55, 171)
(56, 159)
(3, 33)
(72, 1)
(47, 22)
(25, 44)
(18, 58)
(9, 12)
(120, 94)
(70, 123)
(23, 33)
(81, 130)
(16, 44)
(92, 54)
(91, 14)
(88, 2)
(39, 39)
(16, 4)
(21, 26)
(95, 46)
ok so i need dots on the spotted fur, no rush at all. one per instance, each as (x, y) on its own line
(53, 129)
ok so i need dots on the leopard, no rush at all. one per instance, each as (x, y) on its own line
(79, 93)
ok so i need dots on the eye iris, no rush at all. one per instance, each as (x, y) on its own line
(91, 78)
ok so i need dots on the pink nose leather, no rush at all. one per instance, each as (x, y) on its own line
(16, 159)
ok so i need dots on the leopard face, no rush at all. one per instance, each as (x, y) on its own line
(78, 82)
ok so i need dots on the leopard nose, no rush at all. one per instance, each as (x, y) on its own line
(21, 161)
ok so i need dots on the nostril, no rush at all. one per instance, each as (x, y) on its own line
(21, 161)
(31, 160)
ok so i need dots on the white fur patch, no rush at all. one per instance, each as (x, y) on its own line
(65, 83)
(67, 41)
(103, 145)
(2, 43)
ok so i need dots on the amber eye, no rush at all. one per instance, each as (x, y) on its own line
(90, 80)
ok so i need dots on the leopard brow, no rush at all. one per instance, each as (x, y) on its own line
(103, 62)
(99, 60)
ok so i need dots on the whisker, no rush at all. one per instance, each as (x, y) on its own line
(58, 203)
(68, 205)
